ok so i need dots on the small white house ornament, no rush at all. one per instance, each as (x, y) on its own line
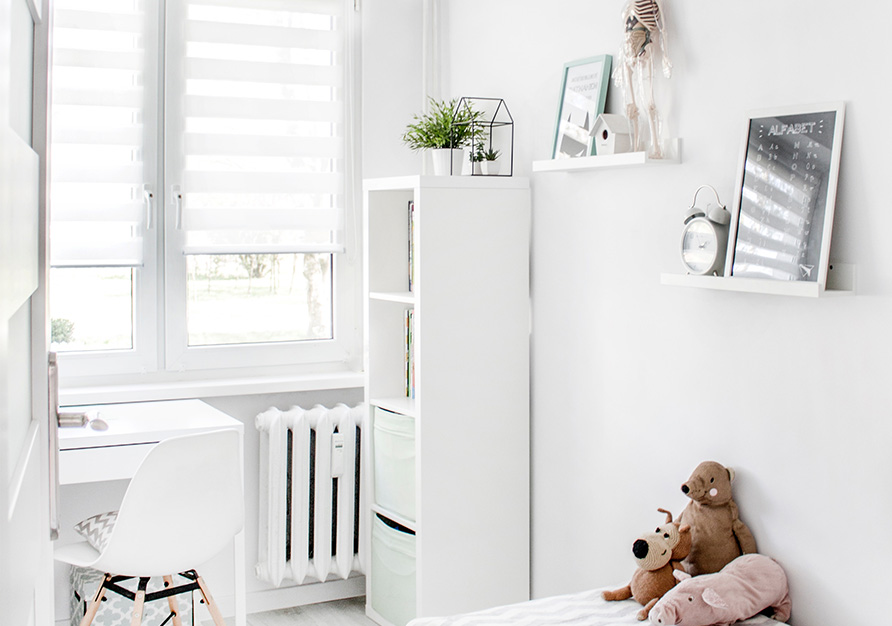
(611, 134)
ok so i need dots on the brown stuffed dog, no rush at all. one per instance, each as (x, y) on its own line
(659, 556)
(718, 535)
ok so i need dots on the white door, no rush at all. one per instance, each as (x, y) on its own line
(25, 547)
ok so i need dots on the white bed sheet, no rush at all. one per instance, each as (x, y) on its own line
(585, 608)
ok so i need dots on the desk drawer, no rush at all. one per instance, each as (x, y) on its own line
(88, 465)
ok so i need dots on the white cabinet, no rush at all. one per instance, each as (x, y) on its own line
(462, 544)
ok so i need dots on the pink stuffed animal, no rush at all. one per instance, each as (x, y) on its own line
(742, 589)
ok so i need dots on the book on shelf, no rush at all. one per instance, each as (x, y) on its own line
(409, 345)
(411, 245)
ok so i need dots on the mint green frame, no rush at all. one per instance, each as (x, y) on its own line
(607, 61)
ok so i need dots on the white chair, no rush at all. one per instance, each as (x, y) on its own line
(182, 507)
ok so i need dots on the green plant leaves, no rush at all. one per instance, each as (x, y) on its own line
(445, 126)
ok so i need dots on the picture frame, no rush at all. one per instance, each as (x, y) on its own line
(582, 99)
(785, 194)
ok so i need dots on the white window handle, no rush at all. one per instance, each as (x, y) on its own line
(176, 196)
(149, 198)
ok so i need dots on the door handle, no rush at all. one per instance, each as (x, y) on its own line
(53, 428)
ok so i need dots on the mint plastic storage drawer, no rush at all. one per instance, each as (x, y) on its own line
(393, 571)
(394, 458)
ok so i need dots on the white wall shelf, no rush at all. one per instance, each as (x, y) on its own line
(470, 302)
(840, 281)
(625, 159)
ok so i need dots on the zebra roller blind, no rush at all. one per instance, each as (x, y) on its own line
(103, 122)
(256, 100)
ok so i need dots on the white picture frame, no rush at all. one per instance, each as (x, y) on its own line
(785, 194)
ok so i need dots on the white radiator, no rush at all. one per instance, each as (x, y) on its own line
(310, 497)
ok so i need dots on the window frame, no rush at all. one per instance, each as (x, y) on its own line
(160, 344)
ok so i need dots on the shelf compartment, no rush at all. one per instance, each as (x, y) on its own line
(388, 241)
(387, 360)
(624, 159)
(840, 281)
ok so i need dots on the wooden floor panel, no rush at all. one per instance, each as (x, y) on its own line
(350, 612)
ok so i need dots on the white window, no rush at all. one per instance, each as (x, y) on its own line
(201, 177)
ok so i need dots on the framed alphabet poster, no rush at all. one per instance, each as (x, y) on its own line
(583, 95)
(786, 193)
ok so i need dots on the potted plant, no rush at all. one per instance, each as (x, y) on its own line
(478, 157)
(491, 165)
(445, 130)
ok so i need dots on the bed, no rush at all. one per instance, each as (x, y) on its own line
(585, 608)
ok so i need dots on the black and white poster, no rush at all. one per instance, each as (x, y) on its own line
(786, 195)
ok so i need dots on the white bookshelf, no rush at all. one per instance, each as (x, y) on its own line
(471, 405)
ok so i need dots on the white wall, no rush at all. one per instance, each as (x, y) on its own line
(391, 84)
(635, 383)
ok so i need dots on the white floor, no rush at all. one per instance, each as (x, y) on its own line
(350, 612)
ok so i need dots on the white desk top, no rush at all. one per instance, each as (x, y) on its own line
(144, 422)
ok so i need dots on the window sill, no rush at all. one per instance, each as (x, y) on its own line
(208, 388)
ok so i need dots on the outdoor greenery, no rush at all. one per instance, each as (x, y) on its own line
(444, 126)
(62, 330)
(231, 299)
(266, 298)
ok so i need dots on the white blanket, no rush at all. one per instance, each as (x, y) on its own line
(586, 608)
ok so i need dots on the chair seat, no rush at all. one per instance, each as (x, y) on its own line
(81, 554)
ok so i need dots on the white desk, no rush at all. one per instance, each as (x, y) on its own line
(88, 455)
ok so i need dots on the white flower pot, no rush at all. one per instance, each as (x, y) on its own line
(491, 168)
(443, 157)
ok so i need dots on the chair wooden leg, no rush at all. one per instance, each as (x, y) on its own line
(209, 601)
(139, 602)
(172, 603)
(94, 604)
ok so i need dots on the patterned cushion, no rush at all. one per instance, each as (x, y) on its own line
(97, 529)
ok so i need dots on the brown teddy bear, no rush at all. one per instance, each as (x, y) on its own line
(659, 556)
(718, 535)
